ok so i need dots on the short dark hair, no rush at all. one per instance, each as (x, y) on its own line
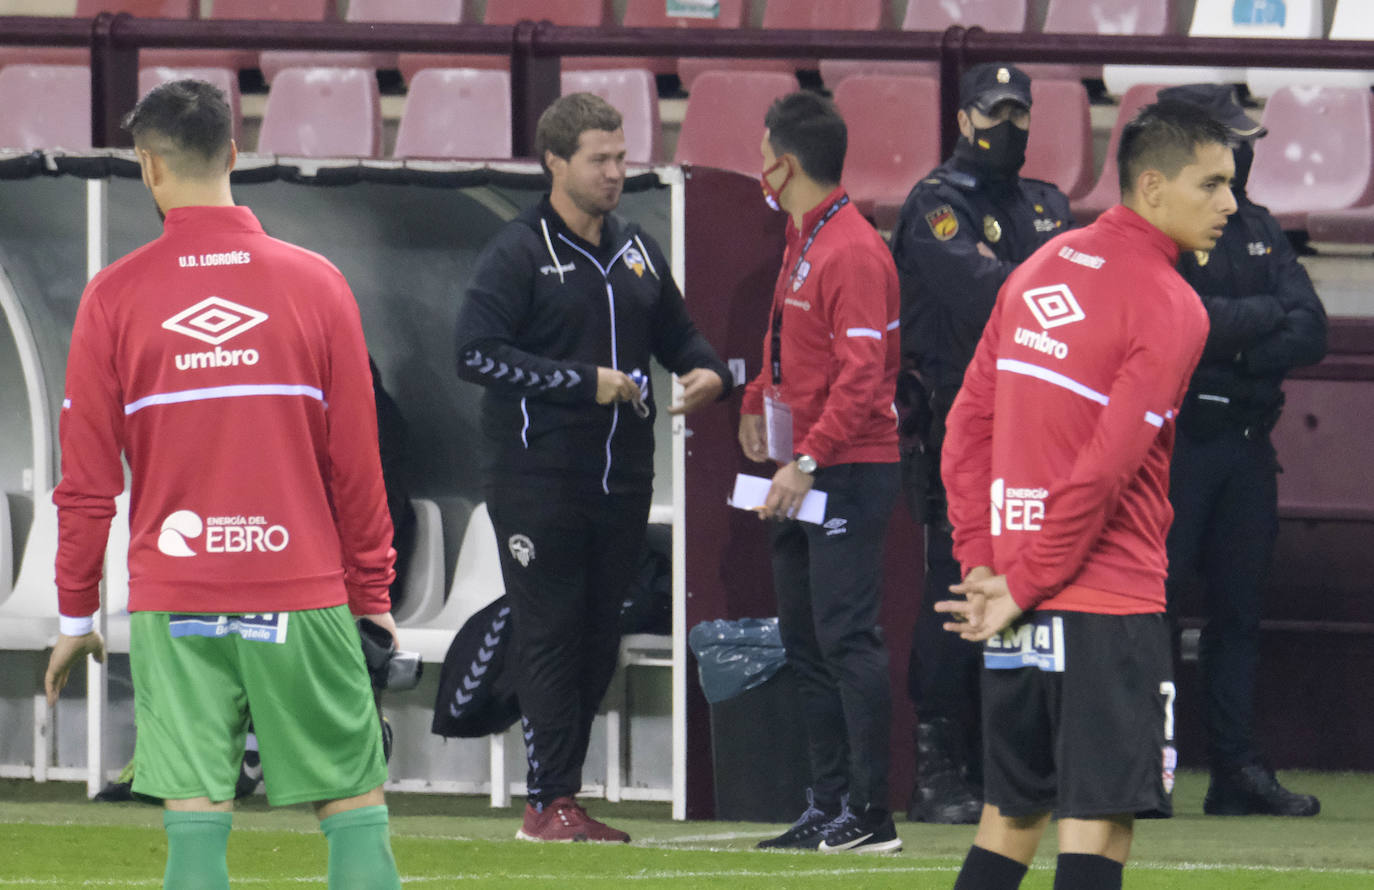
(809, 126)
(1165, 136)
(562, 124)
(187, 122)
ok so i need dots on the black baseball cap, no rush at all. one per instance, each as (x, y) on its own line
(1218, 100)
(983, 86)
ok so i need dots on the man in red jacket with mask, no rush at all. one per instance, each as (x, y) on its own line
(1056, 462)
(822, 409)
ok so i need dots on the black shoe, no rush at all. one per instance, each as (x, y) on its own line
(250, 774)
(942, 795)
(1253, 789)
(805, 833)
(872, 832)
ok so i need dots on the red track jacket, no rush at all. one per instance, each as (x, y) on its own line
(1056, 460)
(230, 369)
(840, 344)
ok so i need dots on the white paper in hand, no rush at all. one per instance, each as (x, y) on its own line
(751, 491)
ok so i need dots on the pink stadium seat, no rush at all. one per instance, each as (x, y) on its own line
(1317, 154)
(862, 15)
(226, 80)
(45, 106)
(445, 11)
(66, 55)
(586, 13)
(933, 15)
(456, 113)
(1107, 192)
(1061, 136)
(1355, 226)
(322, 113)
(1101, 17)
(238, 59)
(655, 15)
(723, 126)
(635, 95)
(892, 139)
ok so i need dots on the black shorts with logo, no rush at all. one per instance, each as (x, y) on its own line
(1078, 718)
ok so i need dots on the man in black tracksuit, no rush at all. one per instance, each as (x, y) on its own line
(566, 306)
(962, 231)
(1266, 319)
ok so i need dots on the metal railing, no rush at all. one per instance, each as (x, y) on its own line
(536, 48)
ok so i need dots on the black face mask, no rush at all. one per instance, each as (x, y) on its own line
(1245, 157)
(1001, 150)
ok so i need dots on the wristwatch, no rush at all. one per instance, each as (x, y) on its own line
(806, 463)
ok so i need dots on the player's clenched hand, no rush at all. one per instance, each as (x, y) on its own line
(614, 386)
(65, 655)
(751, 437)
(700, 386)
(386, 623)
(987, 607)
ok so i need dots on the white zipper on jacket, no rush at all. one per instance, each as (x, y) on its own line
(615, 346)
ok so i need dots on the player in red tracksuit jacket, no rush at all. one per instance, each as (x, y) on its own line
(229, 369)
(1056, 461)
(828, 381)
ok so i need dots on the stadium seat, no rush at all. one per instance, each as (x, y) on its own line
(322, 113)
(730, 14)
(723, 125)
(1140, 17)
(238, 59)
(1317, 154)
(6, 550)
(1355, 226)
(456, 113)
(1224, 18)
(932, 15)
(45, 106)
(586, 13)
(892, 139)
(1061, 136)
(1352, 21)
(477, 583)
(825, 15)
(69, 55)
(225, 79)
(1107, 192)
(634, 94)
(424, 581)
(447, 11)
(28, 617)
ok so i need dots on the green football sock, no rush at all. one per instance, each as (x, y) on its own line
(360, 850)
(197, 844)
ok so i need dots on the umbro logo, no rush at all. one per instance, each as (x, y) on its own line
(214, 320)
(1053, 306)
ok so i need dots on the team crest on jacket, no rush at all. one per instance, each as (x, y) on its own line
(522, 548)
(944, 225)
(798, 279)
(634, 260)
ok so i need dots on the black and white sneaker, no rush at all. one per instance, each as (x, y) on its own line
(806, 832)
(869, 832)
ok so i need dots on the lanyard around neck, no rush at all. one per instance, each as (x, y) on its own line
(777, 309)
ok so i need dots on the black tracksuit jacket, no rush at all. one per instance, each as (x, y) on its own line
(544, 309)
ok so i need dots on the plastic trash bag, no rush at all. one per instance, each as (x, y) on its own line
(735, 656)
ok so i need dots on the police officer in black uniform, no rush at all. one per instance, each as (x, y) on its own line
(1266, 320)
(961, 232)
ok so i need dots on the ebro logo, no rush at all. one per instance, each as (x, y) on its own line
(223, 534)
(1017, 509)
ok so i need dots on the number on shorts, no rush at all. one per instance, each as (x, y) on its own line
(1169, 692)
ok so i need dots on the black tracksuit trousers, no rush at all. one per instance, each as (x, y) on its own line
(828, 580)
(580, 552)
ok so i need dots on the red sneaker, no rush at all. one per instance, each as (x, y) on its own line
(564, 821)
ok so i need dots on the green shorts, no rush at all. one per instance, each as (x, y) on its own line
(300, 674)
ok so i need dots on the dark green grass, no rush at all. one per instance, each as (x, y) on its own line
(51, 837)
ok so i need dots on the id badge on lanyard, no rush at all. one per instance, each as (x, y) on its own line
(777, 418)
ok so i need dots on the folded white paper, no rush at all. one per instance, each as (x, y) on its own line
(751, 491)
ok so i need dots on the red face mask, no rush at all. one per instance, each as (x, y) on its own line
(774, 195)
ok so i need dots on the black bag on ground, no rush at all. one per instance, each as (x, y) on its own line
(476, 693)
